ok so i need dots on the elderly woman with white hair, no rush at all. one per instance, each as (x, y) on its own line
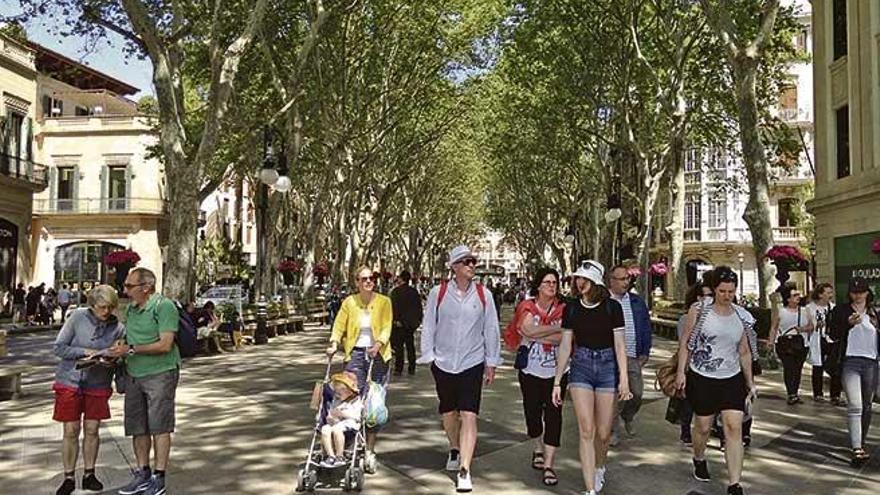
(82, 394)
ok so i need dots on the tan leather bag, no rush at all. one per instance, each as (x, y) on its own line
(665, 381)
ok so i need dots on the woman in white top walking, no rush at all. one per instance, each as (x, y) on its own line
(715, 370)
(821, 345)
(855, 326)
(789, 328)
(536, 340)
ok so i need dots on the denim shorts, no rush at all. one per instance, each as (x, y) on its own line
(594, 370)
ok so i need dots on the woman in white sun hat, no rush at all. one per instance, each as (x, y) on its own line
(593, 337)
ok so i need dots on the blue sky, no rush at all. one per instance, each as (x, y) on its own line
(107, 57)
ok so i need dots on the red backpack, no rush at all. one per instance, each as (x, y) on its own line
(444, 286)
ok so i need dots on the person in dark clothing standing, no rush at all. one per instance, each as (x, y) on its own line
(407, 309)
(18, 303)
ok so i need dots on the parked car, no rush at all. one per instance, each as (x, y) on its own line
(220, 294)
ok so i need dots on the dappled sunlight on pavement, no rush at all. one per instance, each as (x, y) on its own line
(244, 427)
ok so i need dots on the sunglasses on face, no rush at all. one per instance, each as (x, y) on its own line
(366, 279)
(469, 262)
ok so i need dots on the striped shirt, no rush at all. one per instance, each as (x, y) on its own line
(629, 323)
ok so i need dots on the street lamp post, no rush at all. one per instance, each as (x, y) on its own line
(269, 176)
(613, 215)
(741, 258)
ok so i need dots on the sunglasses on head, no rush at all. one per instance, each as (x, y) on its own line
(727, 276)
(589, 264)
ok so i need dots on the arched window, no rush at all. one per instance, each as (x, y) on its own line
(82, 263)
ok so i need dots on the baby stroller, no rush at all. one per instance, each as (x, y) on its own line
(355, 444)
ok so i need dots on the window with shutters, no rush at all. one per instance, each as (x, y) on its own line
(65, 189)
(788, 103)
(692, 214)
(117, 186)
(52, 107)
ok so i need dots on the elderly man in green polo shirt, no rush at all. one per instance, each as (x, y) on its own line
(153, 364)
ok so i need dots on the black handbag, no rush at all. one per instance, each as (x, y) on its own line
(673, 410)
(791, 343)
(522, 356)
(120, 377)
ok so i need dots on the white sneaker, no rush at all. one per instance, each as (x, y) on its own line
(464, 484)
(600, 479)
(453, 462)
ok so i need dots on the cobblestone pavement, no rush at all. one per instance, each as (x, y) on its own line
(244, 425)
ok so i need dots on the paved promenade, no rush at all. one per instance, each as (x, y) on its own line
(244, 426)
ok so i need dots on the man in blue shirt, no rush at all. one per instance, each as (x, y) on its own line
(638, 342)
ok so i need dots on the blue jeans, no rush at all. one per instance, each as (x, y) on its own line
(360, 363)
(594, 370)
(859, 382)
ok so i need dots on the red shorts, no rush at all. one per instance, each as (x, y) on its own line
(73, 404)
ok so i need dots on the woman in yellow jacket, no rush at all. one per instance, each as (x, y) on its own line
(363, 326)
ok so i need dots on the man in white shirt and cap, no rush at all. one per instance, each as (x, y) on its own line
(462, 341)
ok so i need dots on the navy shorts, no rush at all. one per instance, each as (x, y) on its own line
(360, 363)
(594, 370)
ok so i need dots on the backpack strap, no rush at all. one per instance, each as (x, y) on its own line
(444, 286)
(482, 295)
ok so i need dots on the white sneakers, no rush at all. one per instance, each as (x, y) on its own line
(464, 484)
(453, 462)
(600, 479)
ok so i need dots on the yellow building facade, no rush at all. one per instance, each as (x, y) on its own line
(846, 46)
(101, 190)
(20, 175)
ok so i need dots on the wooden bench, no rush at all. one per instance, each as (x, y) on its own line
(10, 381)
(317, 311)
(280, 319)
(664, 321)
(665, 328)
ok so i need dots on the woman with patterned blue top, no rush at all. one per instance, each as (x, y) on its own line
(715, 371)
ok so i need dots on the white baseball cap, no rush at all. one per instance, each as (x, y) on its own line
(459, 253)
(592, 271)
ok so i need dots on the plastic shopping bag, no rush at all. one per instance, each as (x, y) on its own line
(377, 412)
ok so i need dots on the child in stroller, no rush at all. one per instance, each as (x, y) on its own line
(343, 415)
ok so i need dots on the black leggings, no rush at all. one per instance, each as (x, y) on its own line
(541, 415)
(836, 385)
(792, 369)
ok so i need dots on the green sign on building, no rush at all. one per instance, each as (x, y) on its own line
(853, 257)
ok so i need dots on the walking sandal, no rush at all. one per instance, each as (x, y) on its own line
(550, 478)
(537, 460)
(859, 456)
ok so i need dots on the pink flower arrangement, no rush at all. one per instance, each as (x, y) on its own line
(659, 268)
(122, 257)
(290, 266)
(321, 269)
(785, 254)
(875, 246)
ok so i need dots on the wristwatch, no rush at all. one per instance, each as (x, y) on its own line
(131, 350)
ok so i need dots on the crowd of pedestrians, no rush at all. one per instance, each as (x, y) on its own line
(590, 345)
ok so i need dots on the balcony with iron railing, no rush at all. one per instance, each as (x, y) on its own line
(100, 206)
(716, 235)
(29, 171)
